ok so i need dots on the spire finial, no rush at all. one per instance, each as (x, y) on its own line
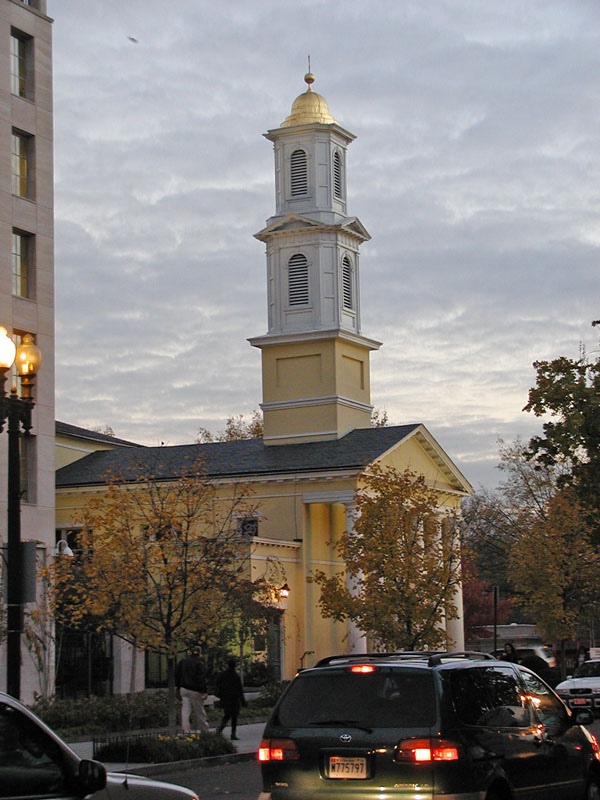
(309, 77)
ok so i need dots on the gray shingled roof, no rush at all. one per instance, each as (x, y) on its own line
(65, 429)
(235, 459)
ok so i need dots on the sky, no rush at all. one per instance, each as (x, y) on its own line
(476, 170)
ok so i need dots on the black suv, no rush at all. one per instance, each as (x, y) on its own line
(419, 726)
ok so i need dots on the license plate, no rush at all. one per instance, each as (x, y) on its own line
(580, 701)
(346, 767)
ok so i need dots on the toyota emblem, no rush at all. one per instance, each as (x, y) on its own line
(345, 737)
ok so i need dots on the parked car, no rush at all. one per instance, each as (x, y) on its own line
(539, 658)
(423, 725)
(582, 689)
(36, 763)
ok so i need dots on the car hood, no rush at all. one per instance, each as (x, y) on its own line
(579, 683)
(125, 785)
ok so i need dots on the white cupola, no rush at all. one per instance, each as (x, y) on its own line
(313, 273)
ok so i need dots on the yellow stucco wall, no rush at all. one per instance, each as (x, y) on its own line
(326, 373)
(300, 517)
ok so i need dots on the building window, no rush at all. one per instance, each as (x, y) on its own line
(22, 258)
(299, 173)
(22, 148)
(20, 72)
(337, 176)
(347, 284)
(298, 280)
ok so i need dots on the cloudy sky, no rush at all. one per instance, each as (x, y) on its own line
(476, 170)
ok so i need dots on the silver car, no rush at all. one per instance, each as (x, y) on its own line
(36, 763)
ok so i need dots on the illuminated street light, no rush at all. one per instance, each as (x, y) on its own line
(17, 412)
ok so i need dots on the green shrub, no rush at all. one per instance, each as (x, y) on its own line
(91, 715)
(163, 747)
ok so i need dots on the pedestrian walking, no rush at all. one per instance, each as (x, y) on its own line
(231, 695)
(510, 654)
(190, 679)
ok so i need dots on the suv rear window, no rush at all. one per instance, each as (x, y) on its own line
(386, 698)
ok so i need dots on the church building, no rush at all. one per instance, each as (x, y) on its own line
(316, 402)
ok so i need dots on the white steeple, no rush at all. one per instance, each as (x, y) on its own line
(313, 281)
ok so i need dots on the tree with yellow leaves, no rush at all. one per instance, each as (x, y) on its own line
(554, 567)
(157, 560)
(402, 564)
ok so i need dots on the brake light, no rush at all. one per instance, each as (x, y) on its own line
(425, 750)
(595, 747)
(362, 669)
(277, 750)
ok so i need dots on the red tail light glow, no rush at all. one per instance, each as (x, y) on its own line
(362, 669)
(426, 750)
(277, 750)
(595, 747)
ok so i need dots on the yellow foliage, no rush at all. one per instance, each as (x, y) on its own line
(401, 564)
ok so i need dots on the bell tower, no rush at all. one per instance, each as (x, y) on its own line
(315, 361)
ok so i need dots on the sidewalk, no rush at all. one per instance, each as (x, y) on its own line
(249, 740)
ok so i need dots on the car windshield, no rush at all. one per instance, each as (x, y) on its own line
(589, 669)
(386, 698)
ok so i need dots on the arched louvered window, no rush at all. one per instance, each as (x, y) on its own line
(299, 173)
(347, 287)
(337, 176)
(298, 280)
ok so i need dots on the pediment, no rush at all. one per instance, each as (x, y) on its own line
(297, 222)
(431, 461)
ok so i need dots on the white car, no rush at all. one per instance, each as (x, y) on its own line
(36, 763)
(582, 689)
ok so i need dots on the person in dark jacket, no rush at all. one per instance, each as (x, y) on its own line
(231, 694)
(190, 679)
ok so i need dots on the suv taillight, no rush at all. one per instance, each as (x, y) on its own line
(426, 750)
(278, 750)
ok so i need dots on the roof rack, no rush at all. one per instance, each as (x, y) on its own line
(350, 657)
(437, 658)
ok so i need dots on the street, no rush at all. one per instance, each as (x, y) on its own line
(215, 783)
(241, 781)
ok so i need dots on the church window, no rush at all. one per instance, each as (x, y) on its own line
(347, 287)
(299, 173)
(337, 176)
(298, 280)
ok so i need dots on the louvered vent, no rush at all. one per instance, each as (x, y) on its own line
(347, 283)
(299, 173)
(337, 176)
(298, 280)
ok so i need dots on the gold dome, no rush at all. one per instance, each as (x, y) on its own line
(309, 107)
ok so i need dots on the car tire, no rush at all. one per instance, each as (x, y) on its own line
(593, 789)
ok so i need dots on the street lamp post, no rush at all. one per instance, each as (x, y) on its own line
(16, 411)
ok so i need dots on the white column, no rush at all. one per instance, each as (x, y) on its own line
(357, 640)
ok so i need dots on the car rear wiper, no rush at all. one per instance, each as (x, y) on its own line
(351, 723)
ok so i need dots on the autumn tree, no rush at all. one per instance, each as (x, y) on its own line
(492, 520)
(158, 559)
(554, 566)
(237, 427)
(478, 602)
(569, 392)
(402, 564)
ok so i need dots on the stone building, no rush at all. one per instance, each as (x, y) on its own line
(27, 262)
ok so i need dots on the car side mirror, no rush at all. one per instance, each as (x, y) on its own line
(584, 717)
(91, 776)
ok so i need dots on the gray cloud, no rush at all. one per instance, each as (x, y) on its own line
(476, 170)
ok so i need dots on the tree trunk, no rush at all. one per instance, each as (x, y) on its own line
(171, 698)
